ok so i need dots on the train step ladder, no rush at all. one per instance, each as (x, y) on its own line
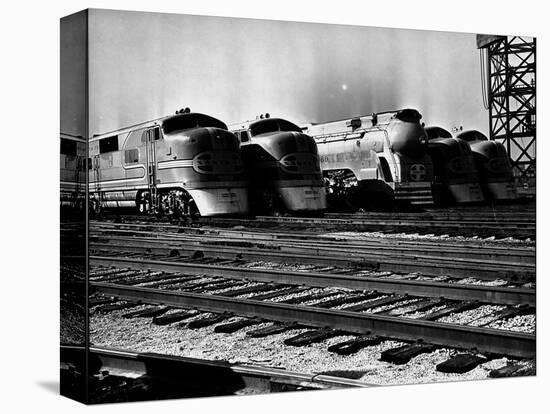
(151, 169)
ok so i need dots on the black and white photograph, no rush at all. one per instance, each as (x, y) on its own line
(255, 206)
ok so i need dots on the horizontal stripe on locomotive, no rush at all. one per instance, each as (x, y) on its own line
(413, 184)
(162, 165)
(195, 185)
(118, 180)
(93, 188)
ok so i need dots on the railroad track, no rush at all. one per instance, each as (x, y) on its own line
(478, 214)
(123, 375)
(493, 224)
(502, 229)
(174, 271)
(174, 230)
(488, 294)
(365, 294)
(428, 258)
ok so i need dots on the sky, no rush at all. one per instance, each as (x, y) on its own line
(146, 65)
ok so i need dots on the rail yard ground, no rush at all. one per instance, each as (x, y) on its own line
(371, 298)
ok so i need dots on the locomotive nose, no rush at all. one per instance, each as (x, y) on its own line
(222, 139)
(291, 142)
(305, 143)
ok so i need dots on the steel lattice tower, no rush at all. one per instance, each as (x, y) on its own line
(510, 92)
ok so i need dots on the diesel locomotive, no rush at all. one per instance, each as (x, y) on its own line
(493, 165)
(282, 166)
(456, 177)
(184, 164)
(379, 157)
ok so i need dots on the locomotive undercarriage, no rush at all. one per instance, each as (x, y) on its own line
(169, 202)
(346, 193)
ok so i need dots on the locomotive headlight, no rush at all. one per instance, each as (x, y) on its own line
(217, 162)
(300, 163)
(289, 163)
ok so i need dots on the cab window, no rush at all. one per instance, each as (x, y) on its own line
(108, 144)
(131, 156)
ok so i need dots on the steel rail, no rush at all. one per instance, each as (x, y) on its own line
(274, 234)
(356, 220)
(248, 372)
(453, 216)
(510, 343)
(215, 372)
(427, 265)
(319, 239)
(448, 254)
(484, 294)
(504, 225)
(503, 228)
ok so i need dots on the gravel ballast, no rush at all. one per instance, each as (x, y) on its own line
(139, 334)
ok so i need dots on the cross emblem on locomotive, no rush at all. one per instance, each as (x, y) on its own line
(418, 172)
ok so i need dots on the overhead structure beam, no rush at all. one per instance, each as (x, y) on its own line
(511, 95)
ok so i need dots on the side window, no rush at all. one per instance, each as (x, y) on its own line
(68, 147)
(108, 144)
(156, 134)
(131, 156)
(89, 163)
(243, 136)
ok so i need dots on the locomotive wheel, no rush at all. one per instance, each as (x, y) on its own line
(178, 204)
(143, 203)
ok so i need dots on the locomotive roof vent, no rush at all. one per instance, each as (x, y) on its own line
(183, 111)
(354, 123)
(263, 116)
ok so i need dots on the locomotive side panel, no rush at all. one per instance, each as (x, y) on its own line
(192, 166)
(384, 154)
(359, 156)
